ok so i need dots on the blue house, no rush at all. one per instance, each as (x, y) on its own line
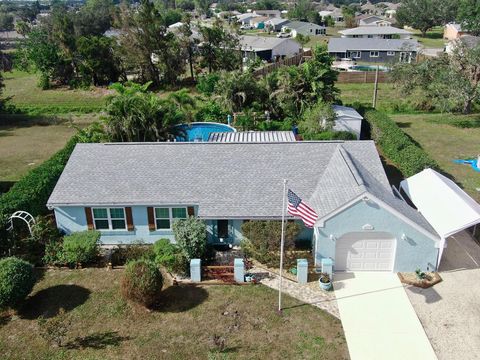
(133, 191)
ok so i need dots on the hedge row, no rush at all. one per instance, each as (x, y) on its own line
(396, 145)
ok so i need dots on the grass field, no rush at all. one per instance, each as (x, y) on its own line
(438, 136)
(433, 38)
(104, 326)
(24, 93)
(25, 141)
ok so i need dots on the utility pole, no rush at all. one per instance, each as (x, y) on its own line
(374, 102)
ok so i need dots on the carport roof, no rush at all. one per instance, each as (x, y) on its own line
(446, 207)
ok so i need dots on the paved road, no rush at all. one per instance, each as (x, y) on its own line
(378, 319)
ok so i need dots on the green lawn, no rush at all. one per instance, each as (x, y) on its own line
(433, 38)
(27, 141)
(23, 91)
(104, 326)
(445, 142)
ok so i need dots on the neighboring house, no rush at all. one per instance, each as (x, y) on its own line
(304, 28)
(258, 22)
(276, 24)
(136, 191)
(376, 32)
(271, 14)
(469, 41)
(268, 48)
(244, 19)
(453, 31)
(335, 14)
(348, 119)
(253, 136)
(372, 20)
(228, 14)
(374, 50)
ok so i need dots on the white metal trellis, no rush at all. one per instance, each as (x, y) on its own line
(23, 215)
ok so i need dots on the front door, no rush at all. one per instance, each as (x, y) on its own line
(222, 229)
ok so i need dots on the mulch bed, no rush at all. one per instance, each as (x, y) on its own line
(412, 279)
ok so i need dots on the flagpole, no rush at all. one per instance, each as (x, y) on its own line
(281, 247)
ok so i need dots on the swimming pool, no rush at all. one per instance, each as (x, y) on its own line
(200, 131)
(369, 68)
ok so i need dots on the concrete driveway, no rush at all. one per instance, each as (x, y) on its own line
(450, 310)
(378, 319)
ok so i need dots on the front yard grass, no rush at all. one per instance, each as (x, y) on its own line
(104, 326)
(444, 142)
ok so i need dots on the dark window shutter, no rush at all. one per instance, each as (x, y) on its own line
(191, 211)
(128, 213)
(88, 215)
(151, 219)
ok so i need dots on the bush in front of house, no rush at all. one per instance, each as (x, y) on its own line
(262, 240)
(81, 247)
(16, 281)
(170, 256)
(191, 237)
(142, 282)
(137, 250)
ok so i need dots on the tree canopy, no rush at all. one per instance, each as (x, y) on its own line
(469, 15)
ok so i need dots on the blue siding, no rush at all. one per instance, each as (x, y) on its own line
(418, 251)
(73, 219)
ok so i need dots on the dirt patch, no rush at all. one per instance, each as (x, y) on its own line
(431, 278)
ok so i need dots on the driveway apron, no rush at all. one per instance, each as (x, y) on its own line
(378, 318)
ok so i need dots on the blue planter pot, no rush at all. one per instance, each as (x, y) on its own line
(325, 286)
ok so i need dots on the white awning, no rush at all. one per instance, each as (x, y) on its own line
(446, 207)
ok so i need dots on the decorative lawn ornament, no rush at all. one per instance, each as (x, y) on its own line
(23, 215)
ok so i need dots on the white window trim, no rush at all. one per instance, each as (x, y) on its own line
(374, 56)
(170, 218)
(109, 218)
(358, 54)
(390, 53)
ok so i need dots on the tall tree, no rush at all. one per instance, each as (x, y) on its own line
(425, 14)
(348, 14)
(220, 48)
(6, 21)
(469, 15)
(149, 49)
(450, 82)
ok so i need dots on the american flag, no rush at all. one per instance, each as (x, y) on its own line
(298, 208)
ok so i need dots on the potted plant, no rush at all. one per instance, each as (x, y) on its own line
(324, 281)
(421, 275)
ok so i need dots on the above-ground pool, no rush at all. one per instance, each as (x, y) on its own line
(200, 131)
(369, 68)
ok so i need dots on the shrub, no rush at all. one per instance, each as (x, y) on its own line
(396, 145)
(81, 247)
(191, 237)
(169, 256)
(137, 250)
(54, 255)
(262, 240)
(206, 83)
(16, 281)
(332, 135)
(142, 282)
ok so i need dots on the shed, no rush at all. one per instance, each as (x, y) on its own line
(348, 119)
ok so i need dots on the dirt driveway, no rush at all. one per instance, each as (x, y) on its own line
(450, 311)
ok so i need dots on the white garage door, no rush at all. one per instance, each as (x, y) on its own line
(367, 251)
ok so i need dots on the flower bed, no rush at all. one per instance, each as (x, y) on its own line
(431, 278)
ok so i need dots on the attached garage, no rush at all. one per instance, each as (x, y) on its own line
(365, 251)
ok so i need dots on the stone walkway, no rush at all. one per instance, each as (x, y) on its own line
(309, 293)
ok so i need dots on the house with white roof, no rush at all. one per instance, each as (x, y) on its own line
(376, 32)
(304, 28)
(136, 191)
(348, 119)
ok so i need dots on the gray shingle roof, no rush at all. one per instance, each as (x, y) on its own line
(298, 25)
(252, 136)
(226, 180)
(338, 45)
(259, 43)
(374, 30)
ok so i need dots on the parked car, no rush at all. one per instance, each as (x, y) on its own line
(246, 27)
(284, 35)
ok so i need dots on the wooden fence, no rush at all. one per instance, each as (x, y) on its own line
(362, 77)
(294, 60)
